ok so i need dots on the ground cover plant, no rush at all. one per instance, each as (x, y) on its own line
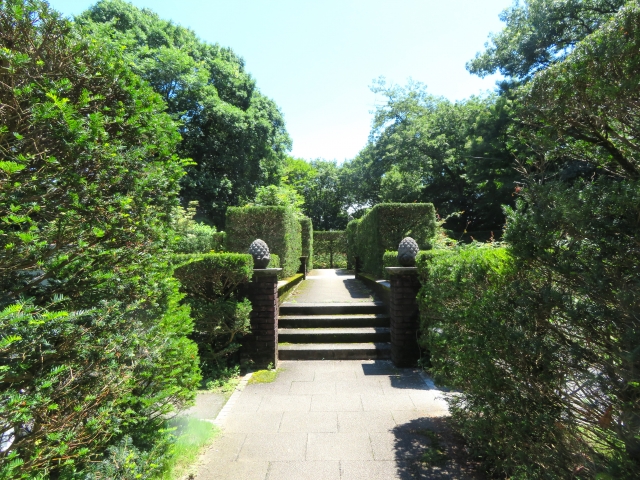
(94, 351)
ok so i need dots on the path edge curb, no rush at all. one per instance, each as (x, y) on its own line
(222, 414)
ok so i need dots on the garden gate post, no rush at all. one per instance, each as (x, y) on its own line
(405, 316)
(261, 345)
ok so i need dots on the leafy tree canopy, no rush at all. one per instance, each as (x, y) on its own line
(235, 135)
(424, 148)
(579, 118)
(322, 185)
(539, 33)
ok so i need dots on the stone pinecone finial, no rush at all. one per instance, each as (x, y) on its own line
(259, 250)
(407, 251)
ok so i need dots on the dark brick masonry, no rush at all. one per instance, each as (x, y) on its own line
(405, 316)
(261, 345)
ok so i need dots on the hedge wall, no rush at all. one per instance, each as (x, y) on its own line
(278, 226)
(330, 249)
(307, 240)
(386, 224)
(352, 235)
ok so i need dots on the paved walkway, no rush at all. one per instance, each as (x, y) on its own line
(330, 420)
(330, 286)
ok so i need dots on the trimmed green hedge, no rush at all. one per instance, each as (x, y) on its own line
(386, 224)
(330, 249)
(210, 283)
(389, 259)
(278, 226)
(307, 240)
(352, 242)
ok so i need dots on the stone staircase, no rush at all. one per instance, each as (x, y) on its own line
(333, 331)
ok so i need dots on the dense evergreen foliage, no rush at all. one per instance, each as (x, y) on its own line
(541, 336)
(107, 277)
(93, 351)
(212, 284)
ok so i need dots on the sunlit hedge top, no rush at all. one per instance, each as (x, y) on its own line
(278, 226)
(386, 224)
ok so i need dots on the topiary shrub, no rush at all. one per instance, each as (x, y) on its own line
(386, 224)
(352, 242)
(330, 249)
(211, 283)
(307, 240)
(278, 226)
(93, 347)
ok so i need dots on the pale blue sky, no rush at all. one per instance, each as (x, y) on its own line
(316, 58)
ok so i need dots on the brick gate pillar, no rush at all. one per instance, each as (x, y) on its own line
(405, 316)
(261, 345)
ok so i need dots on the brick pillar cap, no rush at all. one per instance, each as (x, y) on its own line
(402, 270)
(266, 271)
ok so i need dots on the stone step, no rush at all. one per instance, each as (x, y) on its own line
(331, 308)
(334, 321)
(334, 335)
(335, 351)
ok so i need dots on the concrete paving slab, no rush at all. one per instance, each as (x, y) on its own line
(245, 470)
(309, 422)
(248, 403)
(369, 470)
(267, 422)
(365, 421)
(339, 446)
(335, 376)
(321, 470)
(225, 449)
(285, 403)
(387, 402)
(383, 445)
(359, 386)
(310, 388)
(370, 426)
(336, 403)
(273, 447)
(330, 286)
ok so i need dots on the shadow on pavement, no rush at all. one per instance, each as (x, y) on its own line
(357, 289)
(428, 448)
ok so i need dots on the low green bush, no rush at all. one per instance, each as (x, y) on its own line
(278, 226)
(307, 240)
(192, 236)
(221, 316)
(330, 249)
(541, 338)
(386, 224)
(352, 242)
